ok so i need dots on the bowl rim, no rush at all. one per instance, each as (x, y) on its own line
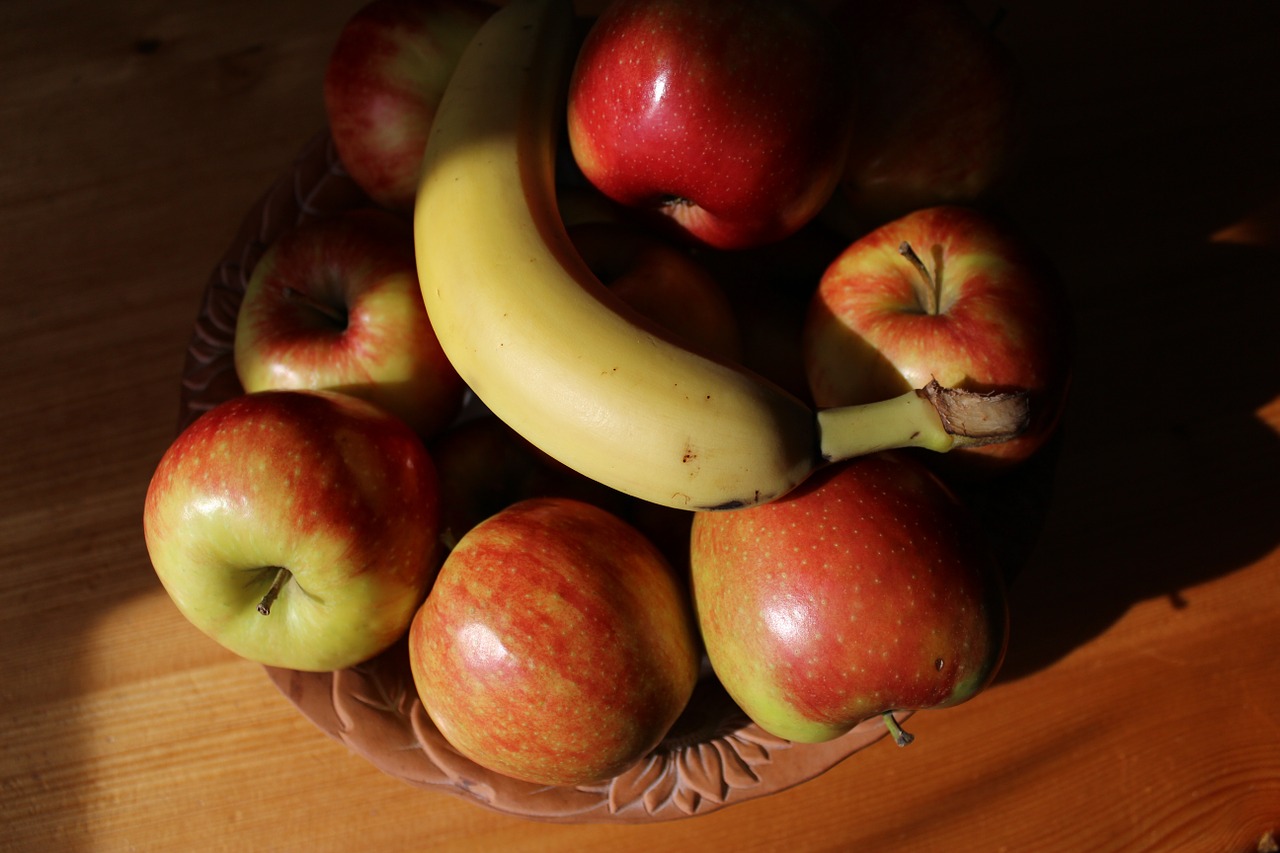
(374, 709)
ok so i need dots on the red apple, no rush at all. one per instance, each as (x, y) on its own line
(335, 304)
(730, 120)
(867, 590)
(556, 645)
(663, 283)
(383, 83)
(972, 305)
(297, 529)
(937, 96)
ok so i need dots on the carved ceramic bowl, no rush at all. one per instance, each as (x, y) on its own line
(713, 757)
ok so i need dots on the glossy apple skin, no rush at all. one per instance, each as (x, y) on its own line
(555, 646)
(866, 590)
(1003, 323)
(381, 348)
(383, 82)
(331, 488)
(726, 120)
(938, 98)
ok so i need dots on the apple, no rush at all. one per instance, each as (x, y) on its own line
(867, 590)
(383, 82)
(335, 304)
(661, 282)
(556, 645)
(728, 122)
(298, 529)
(938, 101)
(946, 293)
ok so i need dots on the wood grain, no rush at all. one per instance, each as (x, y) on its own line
(1139, 709)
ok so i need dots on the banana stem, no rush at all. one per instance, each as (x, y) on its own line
(933, 417)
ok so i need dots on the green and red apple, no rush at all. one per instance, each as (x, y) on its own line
(949, 294)
(297, 529)
(383, 83)
(867, 590)
(556, 645)
(335, 304)
(726, 121)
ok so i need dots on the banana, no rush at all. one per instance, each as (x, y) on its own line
(550, 351)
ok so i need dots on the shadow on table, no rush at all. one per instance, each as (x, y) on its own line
(1167, 475)
(1153, 187)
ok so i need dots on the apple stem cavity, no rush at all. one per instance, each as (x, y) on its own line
(929, 295)
(277, 583)
(336, 316)
(900, 737)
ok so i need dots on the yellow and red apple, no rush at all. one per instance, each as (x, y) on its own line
(335, 304)
(556, 645)
(382, 85)
(949, 294)
(297, 529)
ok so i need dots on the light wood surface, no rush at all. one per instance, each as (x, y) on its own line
(1139, 709)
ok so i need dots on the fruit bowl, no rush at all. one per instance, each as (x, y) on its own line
(712, 758)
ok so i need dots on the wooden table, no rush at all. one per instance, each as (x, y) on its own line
(1140, 705)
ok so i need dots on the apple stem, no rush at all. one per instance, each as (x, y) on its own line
(282, 576)
(929, 296)
(900, 737)
(337, 315)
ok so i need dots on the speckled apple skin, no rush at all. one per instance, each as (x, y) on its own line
(338, 492)
(382, 85)
(1003, 322)
(741, 111)
(556, 646)
(359, 264)
(868, 589)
